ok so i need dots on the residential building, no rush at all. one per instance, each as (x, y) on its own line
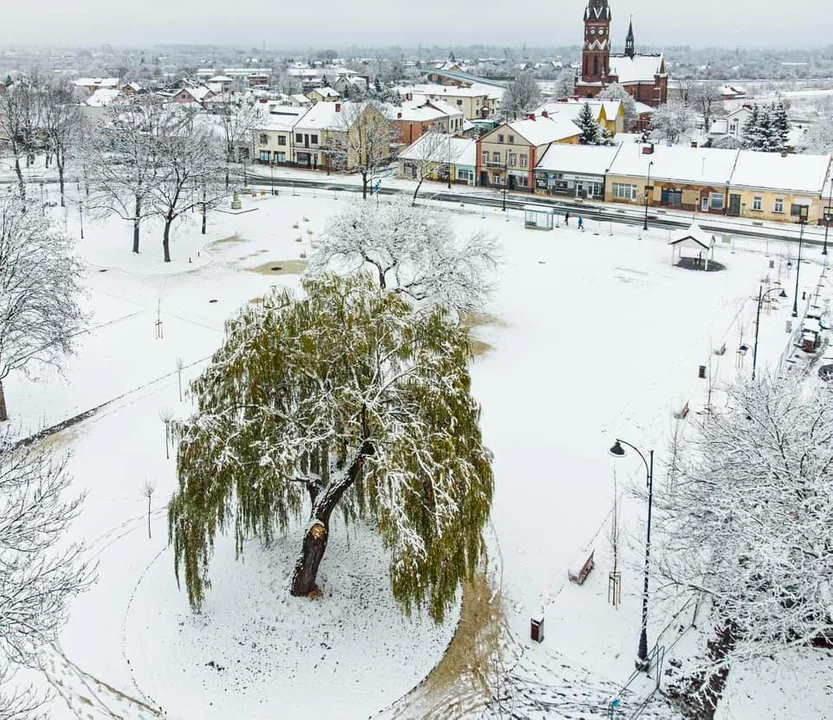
(192, 96)
(323, 94)
(737, 119)
(93, 84)
(610, 114)
(437, 153)
(644, 77)
(575, 171)
(507, 155)
(770, 186)
(476, 103)
(272, 138)
(417, 117)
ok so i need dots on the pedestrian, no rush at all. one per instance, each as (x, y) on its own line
(581, 224)
(566, 218)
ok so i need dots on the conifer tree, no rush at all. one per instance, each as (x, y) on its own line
(753, 135)
(343, 399)
(588, 125)
(780, 125)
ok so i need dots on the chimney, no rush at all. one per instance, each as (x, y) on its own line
(338, 107)
(545, 114)
(530, 116)
(648, 149)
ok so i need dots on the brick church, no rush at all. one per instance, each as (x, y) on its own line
(643, 76)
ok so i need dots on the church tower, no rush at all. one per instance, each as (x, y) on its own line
(630, 50)
(595, 57)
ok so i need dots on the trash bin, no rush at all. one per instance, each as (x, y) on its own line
(701, 373)
(536, 630)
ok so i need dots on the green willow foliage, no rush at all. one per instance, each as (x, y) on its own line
(300, 388)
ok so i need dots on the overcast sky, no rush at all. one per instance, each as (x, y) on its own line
(284, 24)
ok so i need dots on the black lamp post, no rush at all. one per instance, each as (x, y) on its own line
(802, 222)
(647, 190)
(828, 216)
(448, 132)
(761, 296)
(505, 177)
(617, 451)
(81, 216)
(272, 172)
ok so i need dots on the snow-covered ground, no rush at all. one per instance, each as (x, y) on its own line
(591, 337)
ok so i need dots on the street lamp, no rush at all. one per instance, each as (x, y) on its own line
(505, 177)
(81, 216)
(448, 133)
(272, 173)
(617, 451)
(761, 296)
(802, 222)
(828, 216)
(647, 190)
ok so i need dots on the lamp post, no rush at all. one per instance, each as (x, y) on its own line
(505, 177)
(802, 222)
(448, 133)
(647, 190)
(617, 451)
(828, 216)
(761, 296)
(81, 216)
(272, 173)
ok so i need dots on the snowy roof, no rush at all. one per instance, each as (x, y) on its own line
(445, 90)
(285, 119)
(220, 79)
(643, 109)
(324, 116)
(301, 99)
(570, 109)
(585, 159)
(103, 97)
(97, 82)
(326, 92)
(542, 131)
(705, 166)
(695, 234)
(463, 150)
(802, 173)
(639, 68)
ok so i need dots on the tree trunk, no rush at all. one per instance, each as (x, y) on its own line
(136, 224)
(19, 171)
(61, 182)
(364, 186)
(166, 239)
(419, 185)
(204, 211)
(318, 533)
(4, 415)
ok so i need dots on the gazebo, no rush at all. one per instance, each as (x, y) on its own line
(699, 242)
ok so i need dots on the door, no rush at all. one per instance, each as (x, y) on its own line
(484, 178)
(579, 189)
(734, 204)
(704, 203)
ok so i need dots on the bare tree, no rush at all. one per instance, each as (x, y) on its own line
(709, 102)
(62, 124)
(125, 161)
(565, 84)
(40, 279)
(180, 364)
(361, 140)
(521, 96)
(40, 572)
(413, 250)
(148, 488)
(672, 120)
(190, 163)
(19, 118)
(237, 119)
(166, 415)
(433, 154)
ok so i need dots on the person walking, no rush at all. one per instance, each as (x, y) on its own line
(567, 218)
(581, 224)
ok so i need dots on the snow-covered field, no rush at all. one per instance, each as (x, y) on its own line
(589, 337)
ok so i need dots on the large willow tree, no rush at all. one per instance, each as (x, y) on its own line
(345, 398)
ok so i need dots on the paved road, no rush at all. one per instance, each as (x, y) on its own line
(590, 213)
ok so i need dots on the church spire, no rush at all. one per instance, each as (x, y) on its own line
(629, 44)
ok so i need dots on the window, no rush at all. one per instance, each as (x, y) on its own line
(496, 158)
(465, 175)
(524, 161)
(485, 157)
(264, 156)
(313, 139)
(280, 157)
(779, 205)
(511, 139)
(281, 139)
(716, 201)
(513, 159)
(496, 178)
(757, 203)
(623, 191)
(521, 181)
(460, 103)
(500, 138)
(800, 211)
(299, 138)
(263, 139)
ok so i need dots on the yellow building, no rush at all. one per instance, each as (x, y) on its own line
(272, 138)
(610, 114)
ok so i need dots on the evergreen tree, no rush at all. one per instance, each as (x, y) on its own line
(586, 121)
(781, 125)
(346, 399)
(753, 133)
(768, 134)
